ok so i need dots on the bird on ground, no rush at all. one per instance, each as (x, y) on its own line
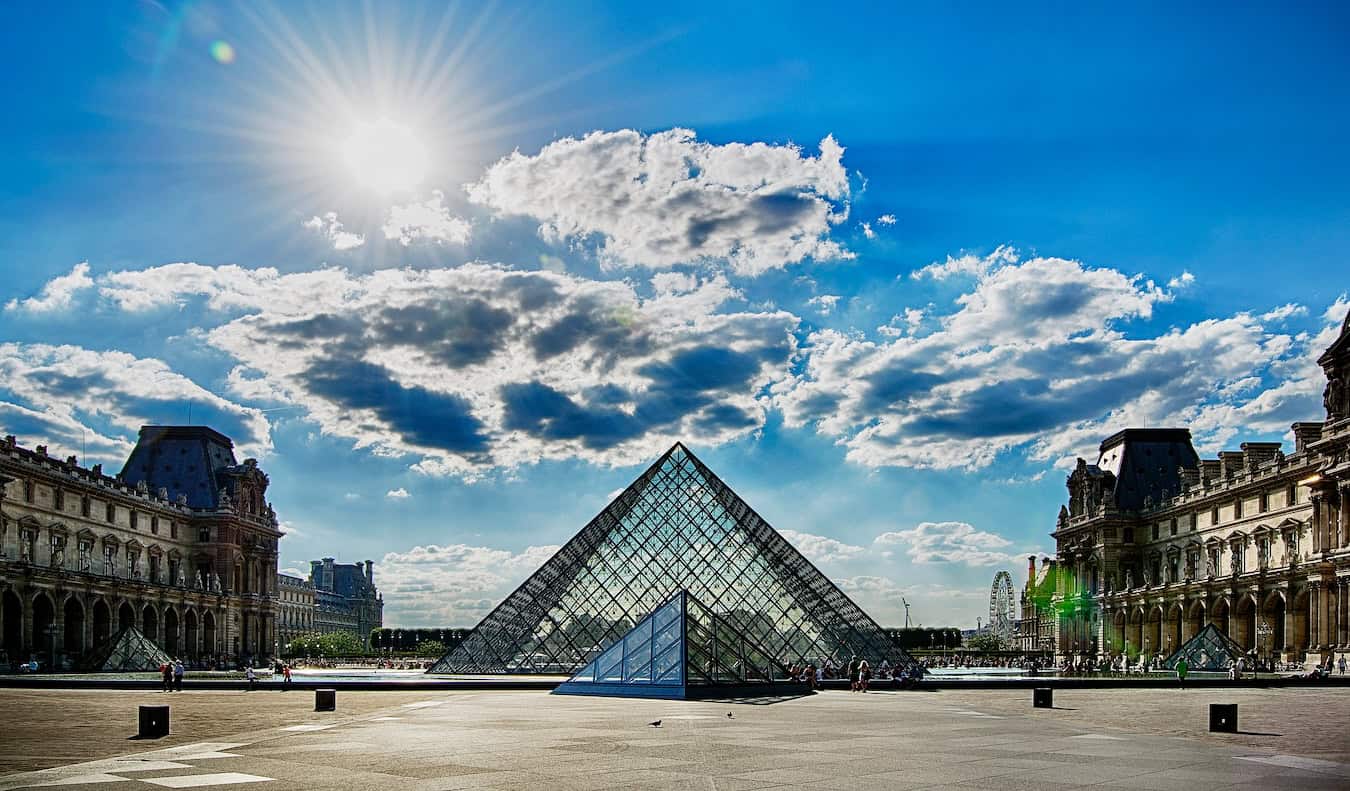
(731, 716)
(656, 724)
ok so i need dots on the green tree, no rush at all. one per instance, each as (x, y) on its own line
(984, 642)
(431, 648)
(331, 644)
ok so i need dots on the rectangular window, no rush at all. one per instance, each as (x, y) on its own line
(1214, 516)
(110, 513)
(85, 505)
(60, 499)
(204, 535)
(1155, 532)
(154, 568)
(173, 572)
(1263, 503)
(58, 552)
(173, 530)
(28, 491)
(110, 561)
(1129, 535)
(1237, 508)
(135, 519)
(1293, 494)
(1174, 525)
(86, 556)
(133, 565)
(154, 525)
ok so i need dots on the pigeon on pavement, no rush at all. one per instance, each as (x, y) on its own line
(656, 724)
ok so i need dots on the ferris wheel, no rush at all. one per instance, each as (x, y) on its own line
(1001, 607)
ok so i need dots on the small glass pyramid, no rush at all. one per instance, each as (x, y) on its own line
(1210, 649)
(128, 651)
(682, 650)
(677, 527)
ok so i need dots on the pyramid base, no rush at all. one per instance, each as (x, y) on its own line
(692, 692)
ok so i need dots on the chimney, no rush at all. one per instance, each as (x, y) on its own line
(1210, 470)
(370, 573)
(1305, 434)
(1259, 453)
(328, 574)
(1230, 463)
(1031, 569)
(316, 572)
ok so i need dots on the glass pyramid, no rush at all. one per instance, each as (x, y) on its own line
(127, 651)
(1210, 649)
(682, 650)
(677, 527)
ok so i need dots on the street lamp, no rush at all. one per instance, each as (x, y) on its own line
(1264, 630)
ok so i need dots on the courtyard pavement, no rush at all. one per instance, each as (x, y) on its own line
(273, 741)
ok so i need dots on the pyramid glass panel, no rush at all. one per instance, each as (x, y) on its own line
(1210, 650)
(125, 652)
(695, 655)
(677, 527)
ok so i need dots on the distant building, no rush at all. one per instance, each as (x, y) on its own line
(345, 598)
(1036, 626)
(1155, 543)
(181, 545)
(295, 608)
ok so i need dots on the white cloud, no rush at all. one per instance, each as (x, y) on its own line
(1284, 313)
(453, 585)
(1032, 357)
(351, 496)
(58, 293)
(329, 227)
(822, 549)
(55, 394)
(886, 219)
(664, 199)
(479, 366)
(966, 264)
(949, 542)
(1183, 280)
(867, 230)
(825, 303)
(428, 221)
(397, 494)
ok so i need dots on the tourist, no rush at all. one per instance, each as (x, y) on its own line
(853, 674)
(250, 677)
(166, 674)
(178, 671)
(286, 677)
(864, 675)
(1340, 665)
(1182, 669)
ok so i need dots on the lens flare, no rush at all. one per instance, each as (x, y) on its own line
(222, 52)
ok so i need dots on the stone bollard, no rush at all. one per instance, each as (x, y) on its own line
(325, 700)
(1223, 717)
(1043, 698)
(154, 722)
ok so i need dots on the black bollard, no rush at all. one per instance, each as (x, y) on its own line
(325, 700)
(154, 722)
(1043, 698)
(1223, 717)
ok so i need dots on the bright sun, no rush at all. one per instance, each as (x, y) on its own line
(385, 156)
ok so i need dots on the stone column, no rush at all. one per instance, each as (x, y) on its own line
(1317, 522)
(26, 635)
(1344, 511)
(1324, 617)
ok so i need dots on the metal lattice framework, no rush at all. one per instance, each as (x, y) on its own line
(1210, 649)
(678, 526)
(1002, 613)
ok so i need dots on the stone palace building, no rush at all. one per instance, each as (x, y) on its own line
(1156, 542)
(181, 544)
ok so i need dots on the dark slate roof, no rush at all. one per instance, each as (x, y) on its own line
(350, 580)
(1147, 462)
(183, 459)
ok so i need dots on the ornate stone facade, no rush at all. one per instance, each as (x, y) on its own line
(1155, 543)
(181, 544)
(345, 598)
(295, 608)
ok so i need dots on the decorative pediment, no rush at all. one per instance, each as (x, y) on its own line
(58, 528)
(111, 539)
(154, 550)
(134, 545)
(86, 534)
(1290, 524)
(174, 554)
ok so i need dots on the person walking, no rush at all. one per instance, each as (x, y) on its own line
(853, 674)
(178, 671)
(251, 677)
(166, 676)
(286, 676)
(1182, 670)
(864, 675)
(1340, 665)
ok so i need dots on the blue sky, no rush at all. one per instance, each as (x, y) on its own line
(456, 277)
